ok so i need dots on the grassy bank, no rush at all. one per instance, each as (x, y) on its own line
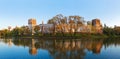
(70, 36)
(67, 35)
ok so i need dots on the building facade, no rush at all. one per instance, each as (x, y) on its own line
(93, 26)
(96, 26)
(32, 24)
(46, 28)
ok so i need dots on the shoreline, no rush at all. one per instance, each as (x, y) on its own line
(65, 37)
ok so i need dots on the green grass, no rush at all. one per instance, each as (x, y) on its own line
(69, 35)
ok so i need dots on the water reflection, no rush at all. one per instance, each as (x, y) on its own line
(9, 42)
(32, 48)
(64, 48)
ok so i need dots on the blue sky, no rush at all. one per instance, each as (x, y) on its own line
(17, 12)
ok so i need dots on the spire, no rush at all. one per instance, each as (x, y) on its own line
(42, 27)
(42, 22)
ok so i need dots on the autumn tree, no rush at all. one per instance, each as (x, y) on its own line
(37, 29)
(17, 31)
(25, 30)
(67, 24)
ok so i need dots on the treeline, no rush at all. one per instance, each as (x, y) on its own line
(25, 31)
(111, 31)
(17, 31)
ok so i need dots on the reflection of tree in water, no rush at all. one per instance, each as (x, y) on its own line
(26, 43)
(7, 41)
(109, 42)
(68, 49)
(22, 42)
(61, 49)
(94, 45)
(64, 49)
(10, 42)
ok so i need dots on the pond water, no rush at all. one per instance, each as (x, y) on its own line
(59, 49)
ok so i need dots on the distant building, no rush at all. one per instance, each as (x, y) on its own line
(93, 26)
(97, 26)
(32, 24)
(46, 28)
(96, 22)
(89, 23)
(9, 28)
(84, 29)
(67, 28)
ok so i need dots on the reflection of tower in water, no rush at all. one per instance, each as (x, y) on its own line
(98, 47)
(33, 49)
(94, 46)
(9, 42)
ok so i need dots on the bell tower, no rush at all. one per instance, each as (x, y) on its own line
(32, 24)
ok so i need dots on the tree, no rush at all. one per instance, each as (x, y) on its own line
(71, 23)
(25, 30)
(37, 29)
(108, 31)
(63, 23)
(58, 19)
(117, 30)
(6, 32)
(17, 31)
